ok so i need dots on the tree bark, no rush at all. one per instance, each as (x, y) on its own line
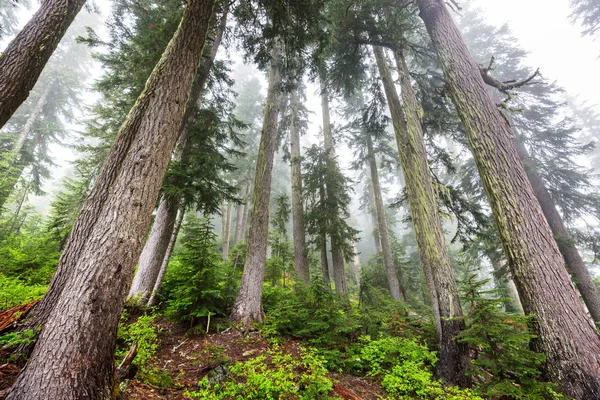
(373, 214)
(565, 333)
(337, 256)
(226, 226)
(388, 260)
(247, 308)
(154, 249)
(241, 210)
(356, 265)
(26, 56)
(426, 220)
(565, 242)
(323, 244)
(514, 302)
(73, 357)
(165, 262)
(300, 262)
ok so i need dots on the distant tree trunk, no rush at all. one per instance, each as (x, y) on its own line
(248, 304)
(165, 262)
(26, 56)
(565, 333)
(423, 206)
(565, 242)
(337, 256)
(323, 244)
(226, 229)
(155, 248)
(373, 214)
(514, 302)
(300, 262)
(241, 210)
(356, 265)
(11, 165)
(73, 357)
(388, 260)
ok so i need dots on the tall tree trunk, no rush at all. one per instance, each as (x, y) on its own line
(11, 165)
(26, 56)
(356, 265)
(423, 206)
(300, 262)
(226, 228)
(514, 302)
(165, 262)
(323, 244)
(248, 304)
(373, 214)
(565, 242)
(388, 260)
(241, 210)
(73, 356)
(337, 256)
(155, 248)
(565, 333)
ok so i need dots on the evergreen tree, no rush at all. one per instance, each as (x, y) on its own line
(586, 12)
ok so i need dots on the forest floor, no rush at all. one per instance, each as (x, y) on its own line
(187, 359)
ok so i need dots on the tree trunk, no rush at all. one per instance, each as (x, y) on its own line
(300, 262)
(514, 302)
(11, 167)
(241, 210)
(388, 260)
(26, 56)
(323, 243)
(565, 242)
(565, 333)
(373, 214)
(248, 304)
(226, 226)
(337, 256)
(73, 356)
(423, 206)
(154, 249)
(356, 265)
(165, 262)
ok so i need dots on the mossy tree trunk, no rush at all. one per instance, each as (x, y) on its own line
(73, 357)
(337, 255)
(426, 221)
(388, 260)
(26, 55)
(300, 261)
(247, 308)
(565, 333)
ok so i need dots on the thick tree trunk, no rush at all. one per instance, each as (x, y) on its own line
(11, 165)
(154, 249)
(565, 242)
(165, 262)
(373, 214)
(248, 304)
(337, 256)
(565, 333)
(300, 262)
(388, 260)
(73, 357)
(26, 56)
(226, 229)
(423, 206)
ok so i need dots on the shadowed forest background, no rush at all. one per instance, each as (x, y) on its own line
(315, 199)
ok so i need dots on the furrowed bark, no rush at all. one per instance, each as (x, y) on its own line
(565, 242)
(426, 220)
(565, 333)
(300, 262)
(247, 308)
(337, 256)
(388, 260)
(26, 56)
(73, 356)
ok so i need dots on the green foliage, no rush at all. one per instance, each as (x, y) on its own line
(272, 375)
(197, 283)
(281, 261)
(14, 291)
(504, 364)
(11, 339)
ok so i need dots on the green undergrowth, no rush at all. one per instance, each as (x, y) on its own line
(15, 291)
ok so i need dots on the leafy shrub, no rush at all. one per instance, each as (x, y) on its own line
(272, 375)
(14, 291)
(504, 365)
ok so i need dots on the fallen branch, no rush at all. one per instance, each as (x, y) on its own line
(126, 369)
(10, 317)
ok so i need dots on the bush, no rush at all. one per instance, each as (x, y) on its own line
(14, 292)
(273, 375)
